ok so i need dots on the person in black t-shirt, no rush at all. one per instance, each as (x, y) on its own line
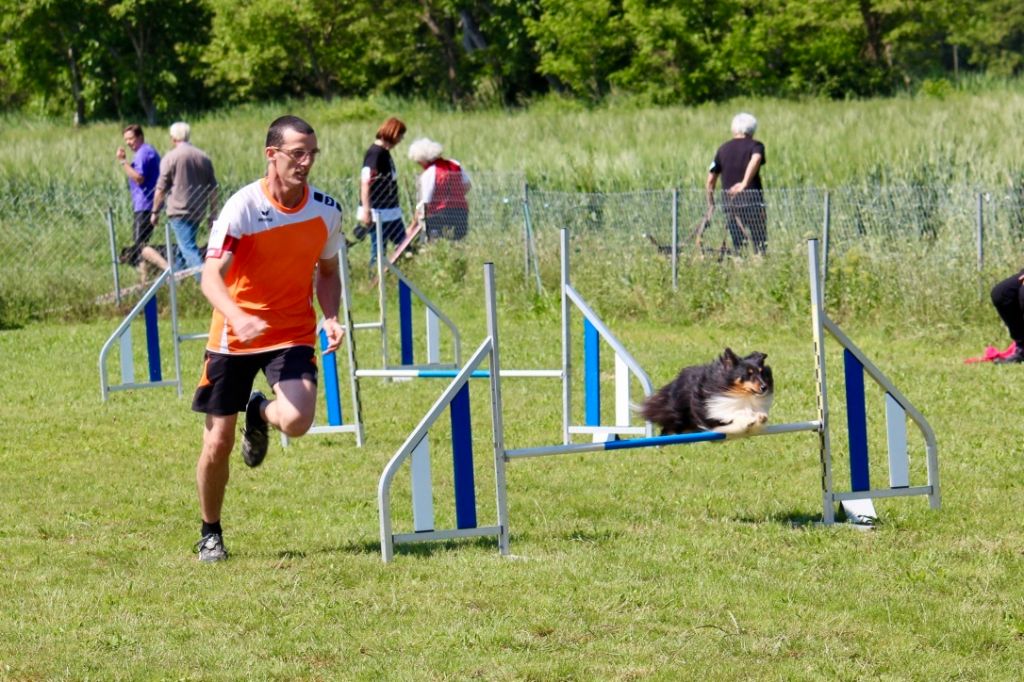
(739, 163)
(378, 189)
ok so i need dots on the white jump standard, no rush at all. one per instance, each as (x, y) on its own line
(856, 501)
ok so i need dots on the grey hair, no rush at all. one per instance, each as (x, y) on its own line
(744, 124)
(180, 131)
(425, 150)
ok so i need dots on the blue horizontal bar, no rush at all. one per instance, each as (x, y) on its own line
(673, 439)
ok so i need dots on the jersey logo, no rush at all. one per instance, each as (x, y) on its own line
(326, 200)
(265, 216)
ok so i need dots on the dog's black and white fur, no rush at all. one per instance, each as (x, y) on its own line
(730, 395)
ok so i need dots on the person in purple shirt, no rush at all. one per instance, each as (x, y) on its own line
(142, 174)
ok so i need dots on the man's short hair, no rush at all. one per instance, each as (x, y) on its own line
(135, 129)
(180, 131)
(391, 131)
(744, 124)
(425, 150)
(275, 134)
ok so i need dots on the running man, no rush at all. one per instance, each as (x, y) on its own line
(274, 242)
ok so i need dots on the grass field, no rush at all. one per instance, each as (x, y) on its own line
(698, 562)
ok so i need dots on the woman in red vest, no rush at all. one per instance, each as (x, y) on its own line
(441, 189)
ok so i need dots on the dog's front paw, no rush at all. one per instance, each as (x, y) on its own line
(755, 423)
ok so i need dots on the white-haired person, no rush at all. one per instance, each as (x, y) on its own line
(441, 191)
(189, 185)
(739, 162)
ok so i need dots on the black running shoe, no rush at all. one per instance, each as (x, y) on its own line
(211, 548)
(254, 435)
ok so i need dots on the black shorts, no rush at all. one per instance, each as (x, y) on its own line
(227, 379)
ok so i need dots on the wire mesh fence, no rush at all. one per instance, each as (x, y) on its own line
(61, 247)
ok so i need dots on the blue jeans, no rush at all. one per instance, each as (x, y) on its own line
(392, 231)
(188, 254)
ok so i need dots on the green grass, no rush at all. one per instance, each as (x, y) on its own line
(694, 562)
(910, 140)
(57, 184)
(682, 563)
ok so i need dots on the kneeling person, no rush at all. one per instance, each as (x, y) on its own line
(273, 241)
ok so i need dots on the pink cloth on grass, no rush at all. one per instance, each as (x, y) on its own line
(991, 353)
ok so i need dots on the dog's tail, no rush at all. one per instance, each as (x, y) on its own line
(654, 408)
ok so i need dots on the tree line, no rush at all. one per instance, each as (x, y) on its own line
(149, 60)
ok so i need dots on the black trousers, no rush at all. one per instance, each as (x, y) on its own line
(448, 223)
(1008, 298)
(745, 216)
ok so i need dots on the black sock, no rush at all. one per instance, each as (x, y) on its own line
(209, 528)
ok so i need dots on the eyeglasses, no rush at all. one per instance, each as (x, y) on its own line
(299, 155)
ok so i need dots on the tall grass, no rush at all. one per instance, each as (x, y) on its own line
(950, 145)
(960, 137)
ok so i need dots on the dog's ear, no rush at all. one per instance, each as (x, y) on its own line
(729, 358)
(757, 357)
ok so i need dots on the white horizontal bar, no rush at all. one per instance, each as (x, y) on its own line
(340, 428)
(640, 430)
(883, 492)
(148, 384)
(405, 538)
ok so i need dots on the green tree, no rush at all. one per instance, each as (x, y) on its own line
(154, 54)
(274, 48)
(992, 33)
(581, 43)
(677, 51)
(96, 57)
(52, 46)
(504, 61)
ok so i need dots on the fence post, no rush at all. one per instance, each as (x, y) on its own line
(526, 231)
(113, 255)
(981, 244)
(530, 249)
(675, 239)
(826, 225)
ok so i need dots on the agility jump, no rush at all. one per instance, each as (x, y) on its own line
(595, 331)
(122, 335)
(857, 501)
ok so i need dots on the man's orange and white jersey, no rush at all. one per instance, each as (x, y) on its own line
(274, 255)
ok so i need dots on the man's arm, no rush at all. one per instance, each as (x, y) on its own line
(134, 175)
(245, 326)
(709, 187)
(328, 295)
(158, 201)
(162, 184)
(748, 174)
(364, 200)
